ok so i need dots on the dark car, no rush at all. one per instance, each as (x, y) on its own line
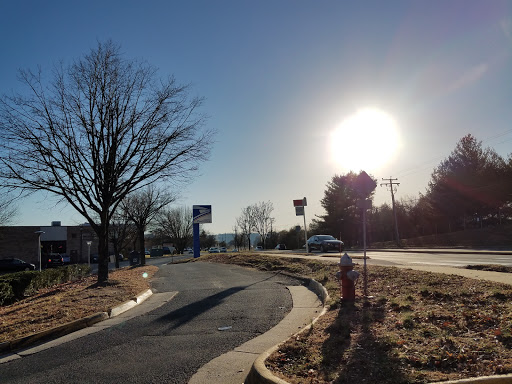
(95, 258)
(54, 260)
(15, 265)
(325, 243)
(280, 247)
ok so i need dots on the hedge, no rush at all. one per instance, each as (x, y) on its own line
(16, 286)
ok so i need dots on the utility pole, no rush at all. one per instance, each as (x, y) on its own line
(390, 183)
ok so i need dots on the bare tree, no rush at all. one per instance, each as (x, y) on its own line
(176, 223)
(7, 209)
(246, 223)
(236, 239)
(101, 129)
(262, 219)
(141, 208)
(121, 232)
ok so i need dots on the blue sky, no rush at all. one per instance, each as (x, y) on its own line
(279, 77)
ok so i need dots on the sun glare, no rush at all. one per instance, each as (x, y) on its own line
(365, 140)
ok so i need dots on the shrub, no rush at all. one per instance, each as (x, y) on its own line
(6, 293)
(16, 286)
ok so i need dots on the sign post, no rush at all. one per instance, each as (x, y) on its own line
(300, 211)
(201, 214)
(365, 185)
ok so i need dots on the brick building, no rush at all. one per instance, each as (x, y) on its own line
(22, 242)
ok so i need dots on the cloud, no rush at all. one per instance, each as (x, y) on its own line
(506, 27)
(470, 76)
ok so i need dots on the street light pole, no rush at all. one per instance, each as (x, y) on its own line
(39, 247)
(89, 252)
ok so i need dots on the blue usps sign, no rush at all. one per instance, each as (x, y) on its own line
(202, 214)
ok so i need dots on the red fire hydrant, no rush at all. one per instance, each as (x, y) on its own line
(348, 278)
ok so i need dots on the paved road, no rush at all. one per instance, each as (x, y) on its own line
(171, 342)
(436, 257)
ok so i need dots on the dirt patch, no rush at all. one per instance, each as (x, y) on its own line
(72, 301)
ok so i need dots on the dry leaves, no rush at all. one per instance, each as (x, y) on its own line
(71, 301)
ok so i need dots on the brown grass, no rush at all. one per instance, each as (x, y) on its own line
(71, 301)
(417, 327)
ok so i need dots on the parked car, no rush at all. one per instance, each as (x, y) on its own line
(66, 258)
(15, 265)
(325, 243)
(54, 260)
(259, 248)
(223, 249)
(281, 246)
(95, 258)
(214, 250)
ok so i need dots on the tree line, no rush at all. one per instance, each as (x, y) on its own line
(471, 188)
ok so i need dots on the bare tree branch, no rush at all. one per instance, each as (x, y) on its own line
(101, 129)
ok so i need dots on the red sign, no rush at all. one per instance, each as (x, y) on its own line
(300, 203)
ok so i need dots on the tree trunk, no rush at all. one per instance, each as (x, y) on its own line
(116, 256)
(103, 256)
(103, 239)
(142, 246)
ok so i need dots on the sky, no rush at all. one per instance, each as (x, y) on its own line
(298, 91)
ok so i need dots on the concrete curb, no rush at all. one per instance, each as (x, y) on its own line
(502, 379)
(64, 329)
(259, 374)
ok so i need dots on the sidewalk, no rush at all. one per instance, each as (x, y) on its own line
(246, 362)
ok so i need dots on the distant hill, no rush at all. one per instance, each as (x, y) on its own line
(229, 237)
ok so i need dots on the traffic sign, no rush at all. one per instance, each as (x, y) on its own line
(300, 202)
(364, 184)
(202, 214)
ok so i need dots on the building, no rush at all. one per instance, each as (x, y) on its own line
(22, 242)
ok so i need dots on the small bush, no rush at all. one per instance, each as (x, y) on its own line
(14, 286)
(6, 293)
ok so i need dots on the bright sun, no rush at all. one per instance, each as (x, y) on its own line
(365, 140)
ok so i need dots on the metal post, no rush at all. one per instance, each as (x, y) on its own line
(89, 252)
(306, 233)
(197, 243)
(365, 277)
(39, 247)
